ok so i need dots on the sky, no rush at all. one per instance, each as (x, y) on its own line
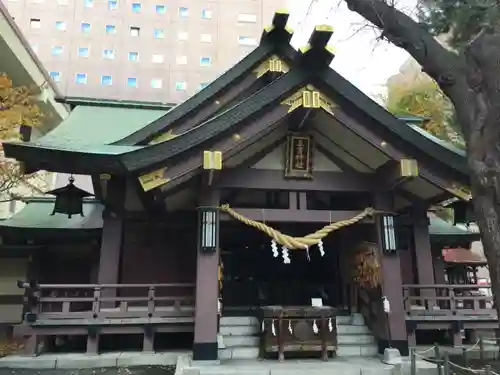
(360, 58)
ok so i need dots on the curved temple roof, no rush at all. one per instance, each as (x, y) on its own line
(132, 153)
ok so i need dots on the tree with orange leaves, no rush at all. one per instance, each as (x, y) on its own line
(18, 107)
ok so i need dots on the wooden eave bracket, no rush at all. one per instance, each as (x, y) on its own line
(395, 173)
(212, 163)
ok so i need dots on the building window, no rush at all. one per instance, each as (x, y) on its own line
(133, 56)
(135, 31)
(106, 80)
(136, 7)
(206, 38)
(83, 51)
(246, 17)
(206, 14)
(56, 76)
(180, 86)
(182, 35)
(203, 85)
(35, 23)
(81, 78)
(112, 4)
(247, 41)
(88, 3)
(205, 61)
(57, 50)
(85, 27)
(159, 33)
(156, 83)
(157, 59)
(161, 9)
(110, 29)
(132, 82)
(181, 60)
(183, 12)
(60, 25)
(108, 54)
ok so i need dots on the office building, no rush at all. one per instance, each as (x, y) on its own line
(147, 50)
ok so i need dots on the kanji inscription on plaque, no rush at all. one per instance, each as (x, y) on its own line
(298, 161)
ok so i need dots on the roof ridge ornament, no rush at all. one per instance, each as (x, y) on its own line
(309, 97)
(278, 31)
(317, 51)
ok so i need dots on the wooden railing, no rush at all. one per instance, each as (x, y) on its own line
(449, 300)
(108, 301)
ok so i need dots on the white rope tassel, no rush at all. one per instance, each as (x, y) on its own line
(273, 329)
(290, 327)
(308, 255)
(330, 325)
(274, 248)
(320, 248)
(286, 255)
(263, 326)
(315, 327)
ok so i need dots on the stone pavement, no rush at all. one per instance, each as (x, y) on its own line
(337, 366)
(83, 361)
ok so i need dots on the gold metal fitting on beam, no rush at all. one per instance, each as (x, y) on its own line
(273, 64)
(212, 160)
(154, 179)
(309, 97)
(408, 168)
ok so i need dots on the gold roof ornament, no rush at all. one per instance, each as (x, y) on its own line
(309, 97)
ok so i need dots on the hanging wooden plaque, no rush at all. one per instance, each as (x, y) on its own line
(298, 158)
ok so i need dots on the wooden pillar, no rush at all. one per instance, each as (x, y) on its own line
(207, 293)
(392, 286)
(110, 256)
(438, 263)
(423, 255)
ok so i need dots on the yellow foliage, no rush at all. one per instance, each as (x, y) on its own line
(421, 97)
(18, 106)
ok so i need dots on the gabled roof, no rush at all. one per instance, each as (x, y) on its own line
(309, 66)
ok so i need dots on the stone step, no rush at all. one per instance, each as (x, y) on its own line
(239, 330)
(357, 350)
(345, 329)
(239, 353)
(229, 321)
(241, 341)
(355, 339)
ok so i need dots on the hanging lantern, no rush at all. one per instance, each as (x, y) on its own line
(389, 242)
(208, 226)
(69, 199)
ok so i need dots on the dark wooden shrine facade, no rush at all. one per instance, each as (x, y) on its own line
(280, 137)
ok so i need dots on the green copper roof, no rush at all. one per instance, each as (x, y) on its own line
(88, 126)
(442, 231)
(37, 215)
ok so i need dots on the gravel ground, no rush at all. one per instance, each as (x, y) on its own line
(140, 370)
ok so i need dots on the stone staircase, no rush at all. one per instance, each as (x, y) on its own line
(240, 336)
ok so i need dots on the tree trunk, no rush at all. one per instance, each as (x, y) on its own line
(472, 82)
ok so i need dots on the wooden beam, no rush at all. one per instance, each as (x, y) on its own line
(294, 215)
(396, 172)
(265, 179)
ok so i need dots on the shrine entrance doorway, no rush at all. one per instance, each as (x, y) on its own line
(254, 277)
